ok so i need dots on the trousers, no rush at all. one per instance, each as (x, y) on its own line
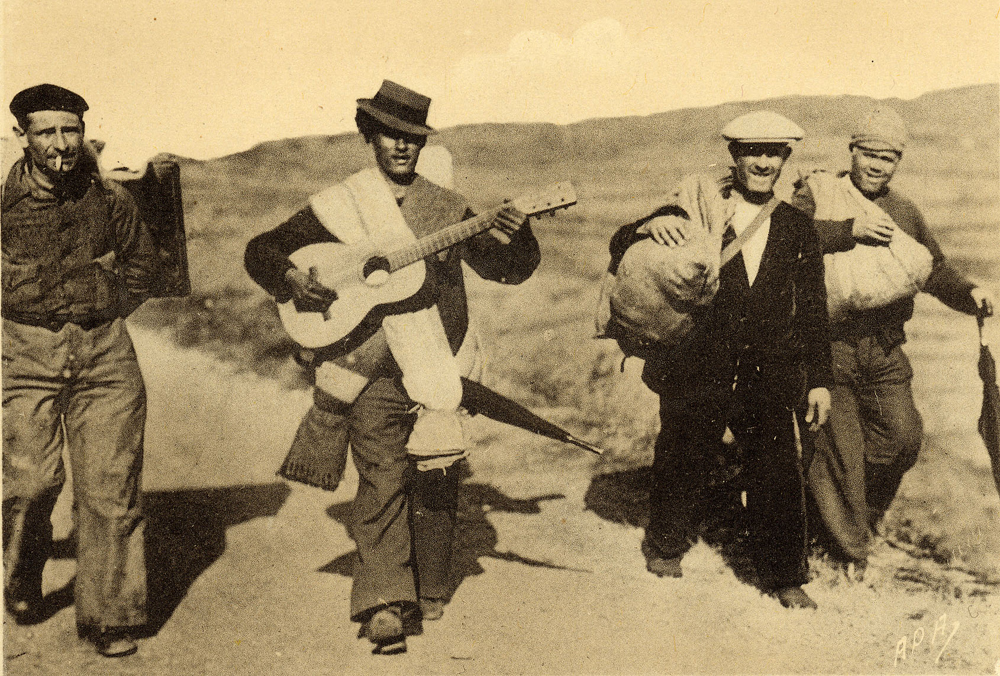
(81, 390)
(687, 455)
(872, 439)
(402, 520)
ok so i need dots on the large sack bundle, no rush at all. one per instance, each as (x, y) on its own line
(866, 277)
(650, 300)
(869, 277)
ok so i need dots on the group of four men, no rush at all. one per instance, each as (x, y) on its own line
(77, 259)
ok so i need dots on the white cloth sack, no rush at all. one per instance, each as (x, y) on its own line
(866, 277)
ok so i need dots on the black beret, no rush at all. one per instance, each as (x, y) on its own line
(47, 97)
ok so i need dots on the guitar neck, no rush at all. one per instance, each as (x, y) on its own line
(441, 240)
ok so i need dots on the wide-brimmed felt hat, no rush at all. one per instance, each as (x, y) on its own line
(399, 107)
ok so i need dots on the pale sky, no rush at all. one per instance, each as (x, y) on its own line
(204, 78)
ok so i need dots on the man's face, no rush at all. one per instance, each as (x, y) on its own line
(396, 153)
(53, 140)
(758, 165)
(871, 170)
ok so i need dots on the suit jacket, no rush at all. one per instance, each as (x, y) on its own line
(771, 338)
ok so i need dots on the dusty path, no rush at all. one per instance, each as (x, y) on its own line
(251, 575)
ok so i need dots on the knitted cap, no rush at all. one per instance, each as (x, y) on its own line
(881, 129)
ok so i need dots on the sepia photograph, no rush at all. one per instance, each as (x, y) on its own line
(500, 337)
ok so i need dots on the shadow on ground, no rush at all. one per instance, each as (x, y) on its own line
(622, 497)
(185, 534)
(475, 536)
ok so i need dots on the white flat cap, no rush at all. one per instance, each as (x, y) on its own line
(762, 126)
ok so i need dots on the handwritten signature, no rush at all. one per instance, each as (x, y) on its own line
(920, 635)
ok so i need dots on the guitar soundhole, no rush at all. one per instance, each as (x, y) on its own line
(376, 271)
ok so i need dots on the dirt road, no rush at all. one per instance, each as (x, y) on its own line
(251, 575)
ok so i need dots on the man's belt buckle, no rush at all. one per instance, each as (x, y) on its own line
(55, 325)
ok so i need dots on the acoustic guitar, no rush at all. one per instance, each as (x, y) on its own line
(372, 281)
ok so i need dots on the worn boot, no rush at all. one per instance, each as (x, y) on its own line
(116, 642)
(385, 630)
(794, 597)
(665, 567)
(431, 609)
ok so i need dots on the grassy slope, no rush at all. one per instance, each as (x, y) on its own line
(540, 332)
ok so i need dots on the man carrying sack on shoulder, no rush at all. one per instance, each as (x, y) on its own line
(879, 254)
(395, 399)
(750, 359)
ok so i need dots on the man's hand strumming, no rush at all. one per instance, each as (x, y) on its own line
(308, 294)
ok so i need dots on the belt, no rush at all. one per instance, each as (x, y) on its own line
(56, 322)
(886, 337)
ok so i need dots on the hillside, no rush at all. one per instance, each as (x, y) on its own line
(621, 168)
(555, 529)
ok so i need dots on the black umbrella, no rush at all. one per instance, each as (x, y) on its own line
(477, 398)
(989, 418)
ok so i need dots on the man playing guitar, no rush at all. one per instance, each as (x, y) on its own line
(405, 359)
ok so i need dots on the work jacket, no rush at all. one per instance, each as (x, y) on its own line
(77, 253)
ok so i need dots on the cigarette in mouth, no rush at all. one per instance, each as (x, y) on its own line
(58, 162)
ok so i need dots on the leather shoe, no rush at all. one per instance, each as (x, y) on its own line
(431, 609)
(116, 642)
(24, 602)
(794, 597)
(385, 630)
(665, 567)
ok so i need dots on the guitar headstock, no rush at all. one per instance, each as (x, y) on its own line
(553, 198)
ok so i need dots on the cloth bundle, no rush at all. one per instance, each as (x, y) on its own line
(318, 454)
(866, 277)
(656, 288)
(363, 207)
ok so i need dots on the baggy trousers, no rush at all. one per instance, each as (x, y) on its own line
(402, 520)
(872, 439)
(84, 389)
(685, 456)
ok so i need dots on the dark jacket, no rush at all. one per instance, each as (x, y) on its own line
(427, 208)
(82, 254)
(771, 338)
